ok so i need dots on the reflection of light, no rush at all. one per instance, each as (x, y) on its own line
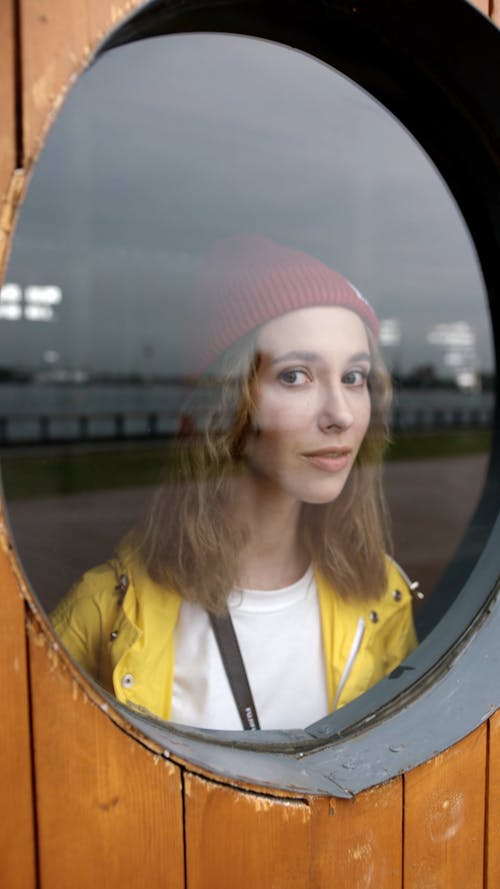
(51, 356)
(467, 379)
(11, 312)
(46, 295)
(390, 332)
(454, 359)
(458, 333)
(37, 304)
(38, 313)
(10, 293)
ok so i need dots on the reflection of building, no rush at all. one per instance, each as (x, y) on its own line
(37, 302)
(458, 340)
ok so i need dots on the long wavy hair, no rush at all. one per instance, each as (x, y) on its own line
(191, 537)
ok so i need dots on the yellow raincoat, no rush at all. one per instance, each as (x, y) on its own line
(119, 627)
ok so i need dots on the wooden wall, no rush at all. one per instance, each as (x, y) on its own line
(83, 802)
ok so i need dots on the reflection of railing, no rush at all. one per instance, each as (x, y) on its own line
(57, 427)
(438, 418)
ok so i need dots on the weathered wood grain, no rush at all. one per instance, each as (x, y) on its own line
(444, 818)
(17, 857)
(7, 125)
(7, 97)
(109, 811)
(57, 40)
(358, 842)
(493, 805)
(234, 838)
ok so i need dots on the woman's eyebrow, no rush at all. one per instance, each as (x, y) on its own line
(297, 355)
(301, 355)
(361, 356)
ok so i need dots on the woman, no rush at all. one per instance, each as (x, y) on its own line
(274, 525)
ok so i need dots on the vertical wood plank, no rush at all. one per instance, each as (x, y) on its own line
(238, 839)
(7, 97)
(493, 803)
(109, 811)
(358, 843)
(444, 818)
(17, 858)
(8, 124)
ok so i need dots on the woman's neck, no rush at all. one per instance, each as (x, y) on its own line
(274, 555)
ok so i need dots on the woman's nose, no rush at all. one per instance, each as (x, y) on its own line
(335, 412)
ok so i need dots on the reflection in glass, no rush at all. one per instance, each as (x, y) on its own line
(164, 148)
(273, 509)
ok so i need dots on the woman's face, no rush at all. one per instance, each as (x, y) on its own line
(312, 402)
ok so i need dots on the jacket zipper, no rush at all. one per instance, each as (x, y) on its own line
(349, 664)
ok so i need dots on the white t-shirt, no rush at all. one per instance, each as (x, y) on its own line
(279, 634)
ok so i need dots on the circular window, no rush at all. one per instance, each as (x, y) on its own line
(176, 153)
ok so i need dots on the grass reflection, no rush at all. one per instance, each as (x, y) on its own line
(39, 473)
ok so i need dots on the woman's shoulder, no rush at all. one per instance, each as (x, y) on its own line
(400, 590)
(395, 606)
(396, 596)
(96, 591)
(386, 620)
(121, 583)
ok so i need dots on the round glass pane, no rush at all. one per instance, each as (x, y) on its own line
(165, 149)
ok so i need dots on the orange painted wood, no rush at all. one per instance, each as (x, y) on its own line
(358, 842)
(7, 97)
(483, 5)
(54, 41)
(444, 806)
(248, 840)
(17, 859)
(58, 37)
(8, 123)
(104, 17)
(109, 811)
(493, 805)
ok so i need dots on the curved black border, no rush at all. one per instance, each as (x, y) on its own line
(436, 66)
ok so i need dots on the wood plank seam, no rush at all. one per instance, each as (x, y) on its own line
(36, 831)
(278, 796)
(18, 83)
(402, 829)
(184, 825)
(486, 850)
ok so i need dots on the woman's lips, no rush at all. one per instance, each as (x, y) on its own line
(332, 460)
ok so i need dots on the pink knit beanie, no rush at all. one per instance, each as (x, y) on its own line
(246, 280)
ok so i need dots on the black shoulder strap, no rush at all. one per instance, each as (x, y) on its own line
(230, 653)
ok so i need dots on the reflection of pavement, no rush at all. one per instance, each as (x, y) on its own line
(430, 501)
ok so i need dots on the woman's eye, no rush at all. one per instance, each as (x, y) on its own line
(357, 377)
(293, 377)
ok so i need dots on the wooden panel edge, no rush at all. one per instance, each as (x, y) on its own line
(17, 832)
